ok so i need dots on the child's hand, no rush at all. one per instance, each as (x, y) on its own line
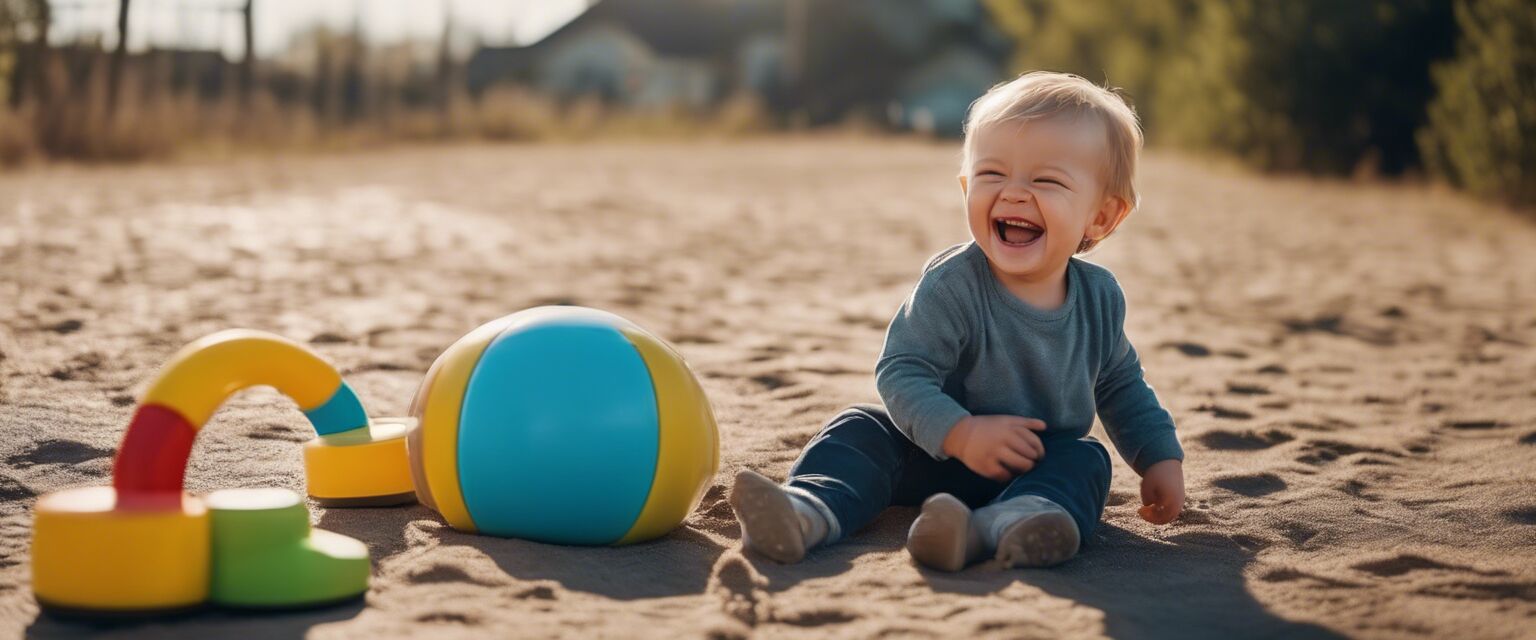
(996, 447)
(1162, 492)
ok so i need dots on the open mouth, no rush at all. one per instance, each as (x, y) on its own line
(1017, 232)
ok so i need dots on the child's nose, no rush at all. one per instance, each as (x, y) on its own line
(1017, 194)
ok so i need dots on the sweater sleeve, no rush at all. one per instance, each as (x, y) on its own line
(922, 347)
(1138, 425)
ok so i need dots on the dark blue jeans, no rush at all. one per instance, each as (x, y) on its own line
(861, 463)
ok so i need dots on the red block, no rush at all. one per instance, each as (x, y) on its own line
(153, 456)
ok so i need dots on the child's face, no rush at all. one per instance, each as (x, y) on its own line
(1035, 190)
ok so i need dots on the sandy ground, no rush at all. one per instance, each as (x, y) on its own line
(1351, 368)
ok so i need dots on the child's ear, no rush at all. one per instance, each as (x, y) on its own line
(1109, 216)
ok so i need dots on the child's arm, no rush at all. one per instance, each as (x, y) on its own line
(922, 346)
(1137, 423)
(1139, 426)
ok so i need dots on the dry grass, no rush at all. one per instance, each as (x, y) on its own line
(79, 128)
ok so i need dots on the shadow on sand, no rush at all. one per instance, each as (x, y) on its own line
(203, 623)
(1189, 587)
(676, 564)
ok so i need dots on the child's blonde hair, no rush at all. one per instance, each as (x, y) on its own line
(1043, 94)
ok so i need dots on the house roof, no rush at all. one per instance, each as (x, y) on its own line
(684, 28)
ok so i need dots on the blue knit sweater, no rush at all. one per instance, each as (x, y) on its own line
(964, 345)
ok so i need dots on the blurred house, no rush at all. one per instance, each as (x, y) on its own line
(646, 53)
(916, 64)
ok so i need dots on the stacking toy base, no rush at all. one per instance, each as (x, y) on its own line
(265, 555)
(95, 549)
(369, 465)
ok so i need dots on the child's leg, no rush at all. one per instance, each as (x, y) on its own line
(857, 466)
(1044, 516)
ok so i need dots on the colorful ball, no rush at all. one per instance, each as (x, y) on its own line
(563, 424)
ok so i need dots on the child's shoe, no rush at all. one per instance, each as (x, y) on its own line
(942, 536)
(772, 524)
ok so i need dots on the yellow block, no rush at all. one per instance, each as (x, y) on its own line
(89, 552)
(438, 408)
(359, 463)
(206, 372)
(689, 446)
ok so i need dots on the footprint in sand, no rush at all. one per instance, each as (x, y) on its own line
(740, 589)
(440, 573)
(1326, 424)
(692, 338)
(1287, 574)
(771, 381)
(450, 617)
(816, 617)
(1223, 440)
(1470, 590)
(1404, 563)
(1420, 446)
(1319, 452)
(277, 432)
(1475, 425)
(1522, 515)
(1238, 542)
(791, 393)
(12, 490)
(1252, 485)
(1529, 438)
(1224, 412)
(1191, 349)
(329, 337)
(64, 327)
(1298, 533)
(82, 366)
(57, 452)
(1240, 389)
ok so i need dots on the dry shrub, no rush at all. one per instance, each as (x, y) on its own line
(17, 142)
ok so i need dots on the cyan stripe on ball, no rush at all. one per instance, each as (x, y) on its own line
(563, 424)
(558, 434)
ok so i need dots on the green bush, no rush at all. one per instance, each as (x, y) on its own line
(1313, 85)
(1482, 122)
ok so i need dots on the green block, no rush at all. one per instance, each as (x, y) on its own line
(266, 556)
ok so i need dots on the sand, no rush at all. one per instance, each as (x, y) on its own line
(1350, 365)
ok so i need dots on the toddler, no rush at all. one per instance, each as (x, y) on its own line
(993, 369)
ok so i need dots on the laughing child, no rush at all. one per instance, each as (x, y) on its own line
(994, 368)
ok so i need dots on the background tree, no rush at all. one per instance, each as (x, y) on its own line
(1481, 133)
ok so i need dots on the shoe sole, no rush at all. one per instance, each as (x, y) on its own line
(1040, 540)
(764, 509)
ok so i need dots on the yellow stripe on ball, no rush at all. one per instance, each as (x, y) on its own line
(440, 409)
(689, 447)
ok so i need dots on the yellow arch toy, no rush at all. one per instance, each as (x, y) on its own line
(168, 549)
